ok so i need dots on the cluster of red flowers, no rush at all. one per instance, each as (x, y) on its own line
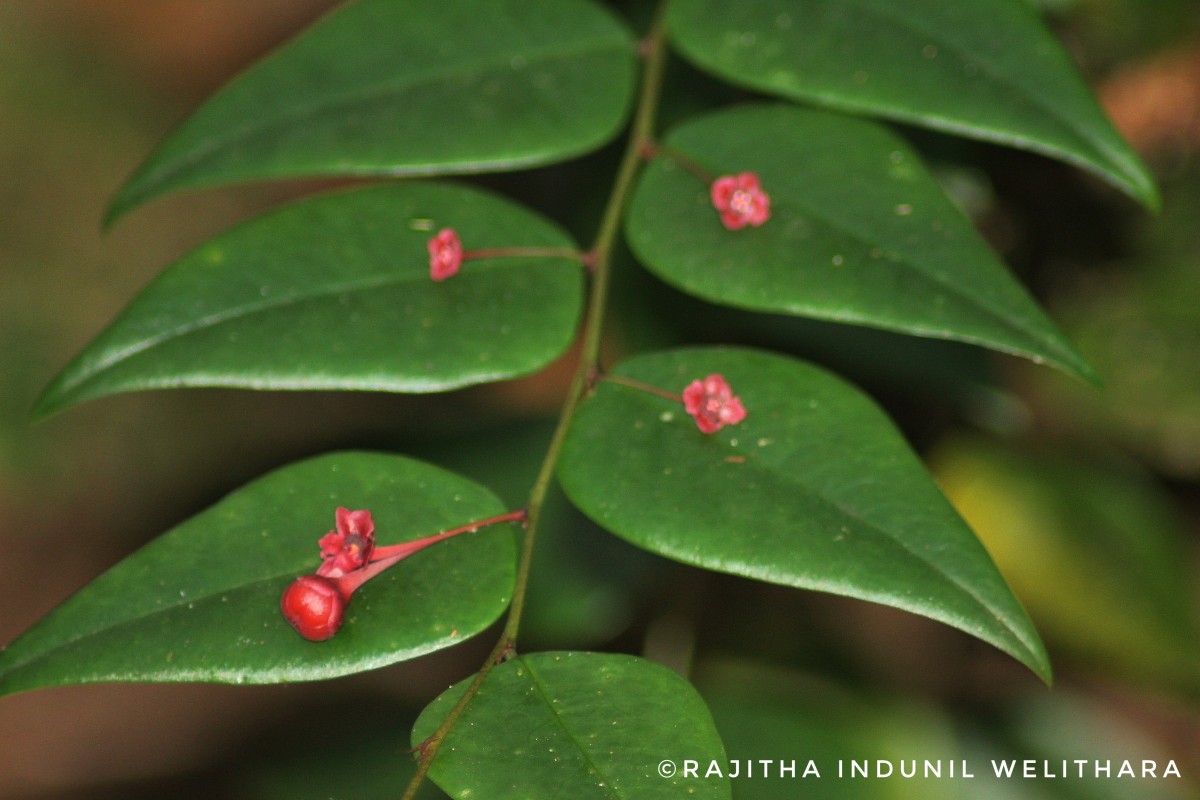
(739, 199)
(315, 605)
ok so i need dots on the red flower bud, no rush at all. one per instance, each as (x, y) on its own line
(314, 606)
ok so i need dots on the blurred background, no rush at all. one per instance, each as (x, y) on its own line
(1086, 498)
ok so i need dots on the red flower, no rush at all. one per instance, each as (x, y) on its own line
(712, 404)
(740, 200)
(350, 546)
(445, 255)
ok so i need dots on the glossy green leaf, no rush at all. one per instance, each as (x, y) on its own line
(859, 232)
(334, 293)
(572, 726)
(988, 69)
(401, 87)
(201, 603)
(814, 489)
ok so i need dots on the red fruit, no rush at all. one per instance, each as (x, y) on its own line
(314, 607)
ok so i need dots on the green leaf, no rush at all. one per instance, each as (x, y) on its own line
(814, 489)
(334, 293)
(403, 87)
(201, 603)
(859, 232)
(987, 69)
(575, 726)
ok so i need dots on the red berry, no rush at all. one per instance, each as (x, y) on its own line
(314, 607)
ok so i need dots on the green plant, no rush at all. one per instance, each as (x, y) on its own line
(814, 489)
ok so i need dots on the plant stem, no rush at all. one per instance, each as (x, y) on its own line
(387, 556)
(679, 158)
(642, 387)
(526, 252)
(641, 134)
(408, 548)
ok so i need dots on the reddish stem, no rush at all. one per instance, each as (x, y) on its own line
(682, 160)
(642, 387)
(384, 557)
(527, 252)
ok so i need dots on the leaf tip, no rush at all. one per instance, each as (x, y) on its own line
(125, 200)
(47, 404)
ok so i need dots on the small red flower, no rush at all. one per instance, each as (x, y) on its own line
(445, 255)
(349, 546)
(741, 200)
(712, 404)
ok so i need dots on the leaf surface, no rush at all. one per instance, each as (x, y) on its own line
(859, 232)
(987, 69)
(402, 87)
(573, 726)
(334, 292)
(201, 602)
(814, 489)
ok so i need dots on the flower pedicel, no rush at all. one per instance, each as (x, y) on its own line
(315, 605)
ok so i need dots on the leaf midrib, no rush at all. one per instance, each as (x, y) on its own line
(90, 370)
(100, 628)
(821, 499)
(539, 685)
(915, 267)
(989, 67)
(378, 90)
(965, 588)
